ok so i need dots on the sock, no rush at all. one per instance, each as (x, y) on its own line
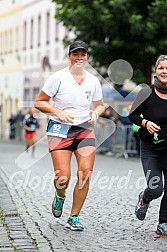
(70, 216)
(59, 197)
(145, 201)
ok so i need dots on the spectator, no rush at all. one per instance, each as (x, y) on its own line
(127, 125)
(105, 126)
(30, 124)
(136, 137)
(18, 121)
(12, 122)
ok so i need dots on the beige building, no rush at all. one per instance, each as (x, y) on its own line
(31, 49)
(11, 75)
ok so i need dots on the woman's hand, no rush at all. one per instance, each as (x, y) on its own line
(64, 117)
(94, 116)
(99, 109)
(41, 103)
(152, 127)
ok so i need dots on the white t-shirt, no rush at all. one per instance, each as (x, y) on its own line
(71, 97)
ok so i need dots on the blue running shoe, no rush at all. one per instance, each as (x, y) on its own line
(162, 229)
(74, 224)
(141, 208)
(57, 206)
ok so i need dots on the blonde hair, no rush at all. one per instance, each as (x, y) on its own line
(159, 59)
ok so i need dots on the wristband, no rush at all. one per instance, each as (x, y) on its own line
(146, 123)
(97, 114)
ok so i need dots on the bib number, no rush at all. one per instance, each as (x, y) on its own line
(32, 127)
(57, 129)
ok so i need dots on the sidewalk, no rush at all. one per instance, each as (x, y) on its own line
(26, 194)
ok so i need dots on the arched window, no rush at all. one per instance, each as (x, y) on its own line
(32, 34)
(47, 28)
(39, 30)
(25, 35)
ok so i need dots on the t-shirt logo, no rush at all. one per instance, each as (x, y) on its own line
(88, 95)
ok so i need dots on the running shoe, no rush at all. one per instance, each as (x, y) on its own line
(74, 224)
(57, 206)
(162, 229)
(141, 208)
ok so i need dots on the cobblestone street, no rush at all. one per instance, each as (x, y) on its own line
(26, 194)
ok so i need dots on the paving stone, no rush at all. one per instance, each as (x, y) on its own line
(8, 237)
(6, 249)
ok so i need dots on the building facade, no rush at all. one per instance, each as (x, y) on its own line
(11, 75)
(43, 50)
(31, 49)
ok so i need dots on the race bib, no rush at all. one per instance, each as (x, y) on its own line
(57, 129)
(32, 127)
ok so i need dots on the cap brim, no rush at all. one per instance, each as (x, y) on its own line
(80, 47)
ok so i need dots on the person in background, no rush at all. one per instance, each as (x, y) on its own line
(71, 128)
(136, 137)
(12, 122)
(30, 124)
(127, 127)
(18, 122)
(153, 135)
(105, 127)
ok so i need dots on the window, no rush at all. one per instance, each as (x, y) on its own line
(7, 41)
(26, 95)
(32, 33)
(47, 27)
(6, 45)
(11, 40)
(56, 30)
(31, 58)
(57, 56)
(10, 103)
(39, 31)
(35, 93)
(25, 35)
(3, 42)
(17, 39)
(66, 34)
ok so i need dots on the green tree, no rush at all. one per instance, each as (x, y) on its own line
(135, 31)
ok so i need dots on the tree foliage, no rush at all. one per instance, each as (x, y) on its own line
(135, 31)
